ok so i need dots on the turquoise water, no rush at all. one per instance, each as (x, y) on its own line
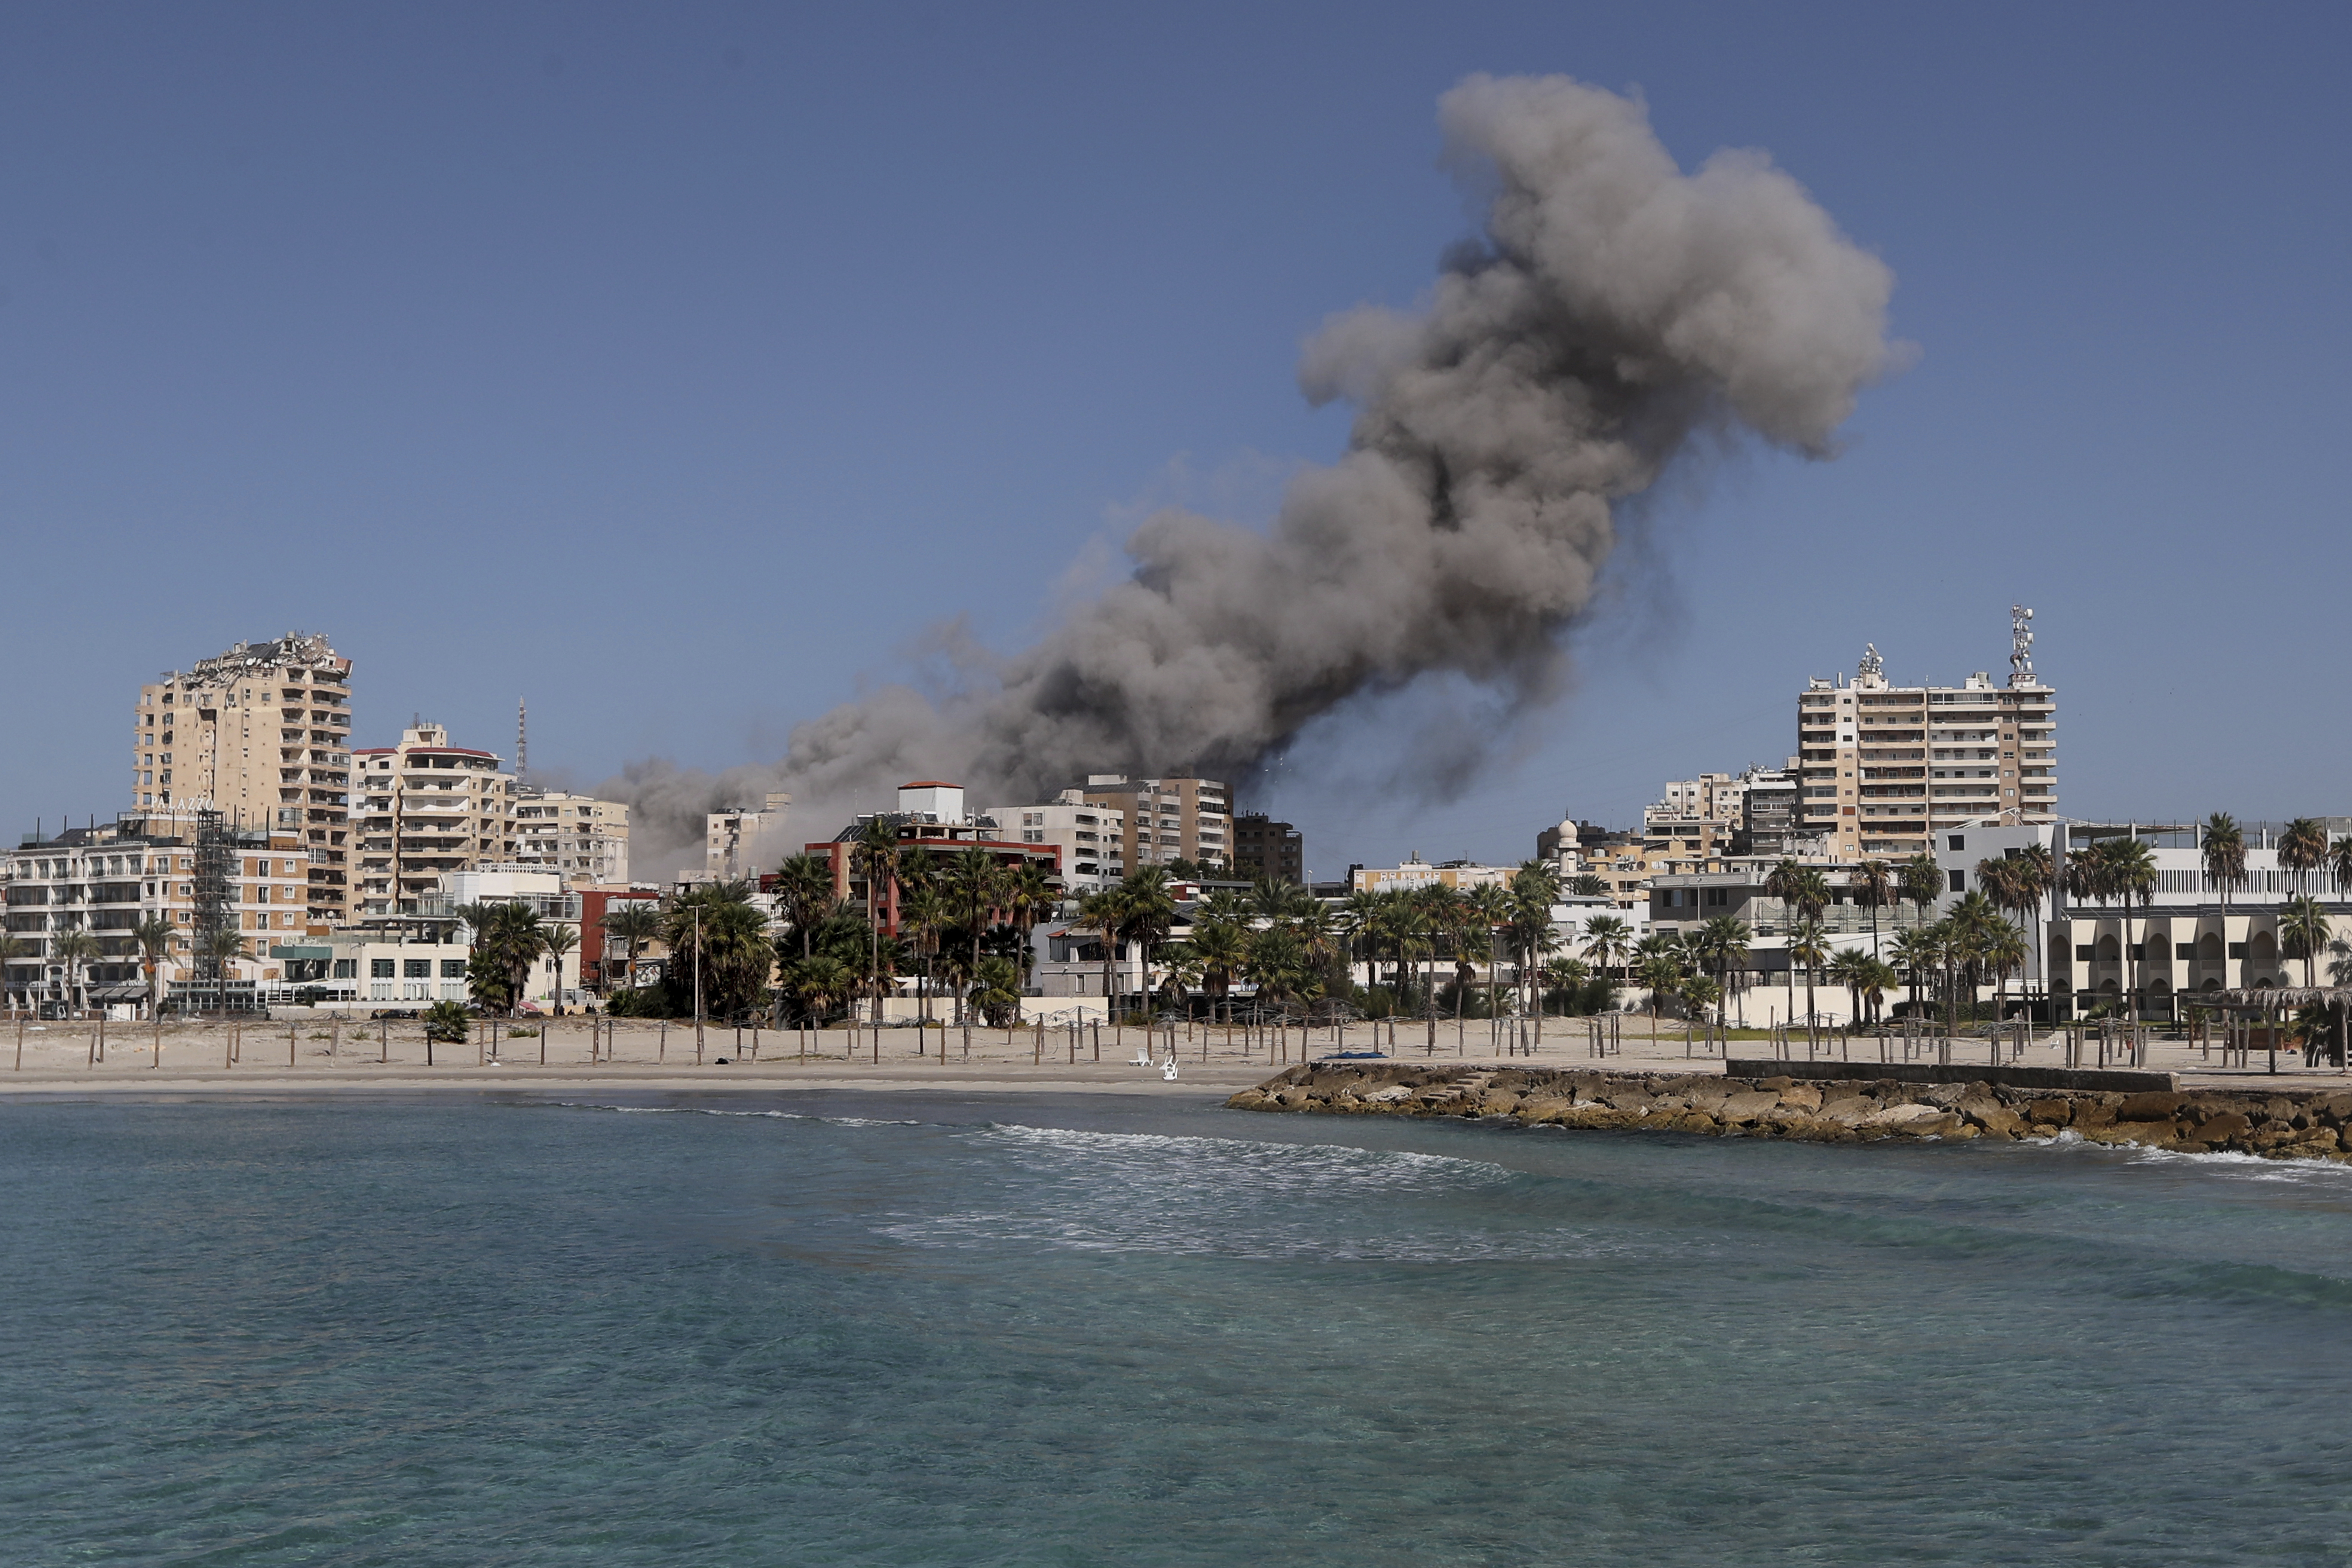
(901, 1330)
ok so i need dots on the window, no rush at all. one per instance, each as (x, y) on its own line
(2237, 949)
(2083, 952)
(2184, 949)
(417, 969)
(453, 969)
(1960, 881)
(1958, 841)
(347, 969)
(380, 968)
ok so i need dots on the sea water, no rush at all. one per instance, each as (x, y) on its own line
(900, 1329)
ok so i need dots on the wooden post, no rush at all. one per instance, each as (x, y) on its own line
(543, 1044)
(661, 1047)
(383, 1041)
(290, 1034)
(228, 1048)
(20, 1042)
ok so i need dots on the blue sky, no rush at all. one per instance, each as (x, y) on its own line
(681, 367)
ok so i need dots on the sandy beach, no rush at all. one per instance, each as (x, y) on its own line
(314, 1056)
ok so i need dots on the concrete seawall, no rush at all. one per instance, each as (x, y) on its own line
(2303, 1123)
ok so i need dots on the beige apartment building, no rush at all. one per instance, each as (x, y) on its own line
(1164, 819)
(583, 840)
(1091, 838)
(732, 849)
(106, 879)
(426, 809)
(1885, 767)
(260, 733)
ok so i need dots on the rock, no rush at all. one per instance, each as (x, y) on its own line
(1911, 1117)
(1540, 1108)
(2220, 1129)
(2156, 1105)
(1748, 1107)
(1390, 1094)
(2051, 1112)
(1993, 1117)
(1248, 1099)
(2147, 1134)
(1803, 1096)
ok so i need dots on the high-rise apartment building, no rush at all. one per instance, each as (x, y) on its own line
(1885, 766)
(426, 807)
(262, 734)
(1263, 847)
(731, 850)
(1090, 837)
(579, 838)
(1179, 819)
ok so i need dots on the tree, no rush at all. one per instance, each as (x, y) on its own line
(1147, 912)
(1103, 912)
(1914, 950)
(923, 912)
(75, 947)
(1030, 896)
(1809, 945)
(874, 853)
(1922, 882)
(2130, 873)
(2303, 930)
(447, 1020)
(1851, 968)
(819, 981)
(2303, 849)
(1873, 885)
(154, 936)
(996, 991)
(1607, 940)
(1805, 892)
(557, 941)
(1492, 906)
(219, 949)
(2004, 953)
(1588, 886)
(975, 884)
(635, 921)
(1660, 970)
(720, 938)
(1722, 941)
(1222, 946)
(804, 895)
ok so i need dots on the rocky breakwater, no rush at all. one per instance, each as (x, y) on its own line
(2308, 1124)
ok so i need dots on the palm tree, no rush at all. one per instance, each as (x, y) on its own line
(2004, 953)
(1659, 968)
(804, 894)
(1873, 885)
(154, 936)
(2303, 849)
(976, 883)
(820, 981)
(219, 949)
(874, 853)
(1103, 912)
(1490, 906)
(1222, 946)
(1914, 950)
(1875, 980)
(1722, 941)
(1360, 918)
(635, 923)
(76, 947)
(2131, 872)
(1809, 945)
(1146, 913)
(1607, 940)
(1851, 968)
(2303, 930)
(923, 912)
(1029, 896)
(1922, 882)
(554, 942)
(12, 947)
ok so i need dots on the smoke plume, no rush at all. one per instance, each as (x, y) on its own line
(1610, 309)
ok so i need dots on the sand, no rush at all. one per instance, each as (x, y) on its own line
(314, 1055)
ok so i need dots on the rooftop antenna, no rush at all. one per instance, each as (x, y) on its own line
(522, 743)
(2021, 646)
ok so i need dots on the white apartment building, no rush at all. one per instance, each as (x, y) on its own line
(426, 809)
(262, 734)
(1090, 837)
(1885, 767)
(579, 838)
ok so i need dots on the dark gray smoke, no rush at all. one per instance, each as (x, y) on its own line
(1610, 309)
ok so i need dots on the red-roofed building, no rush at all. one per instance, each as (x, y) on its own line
(930, 822)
